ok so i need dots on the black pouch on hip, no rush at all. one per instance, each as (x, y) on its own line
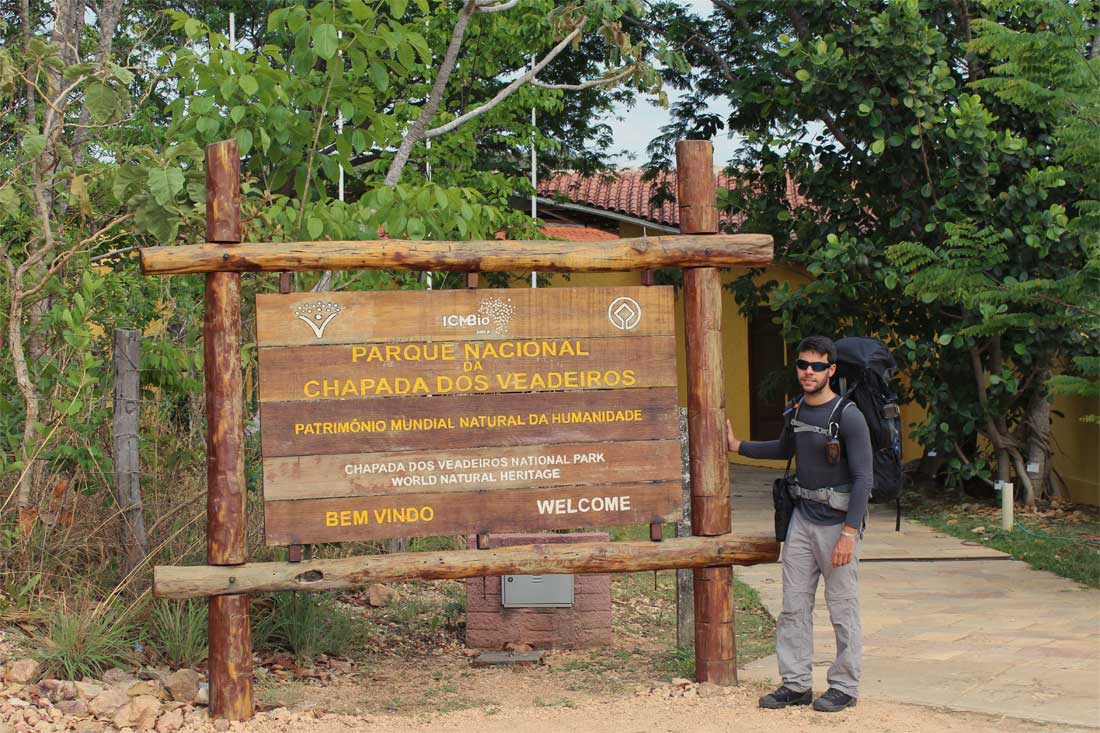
(783, 503)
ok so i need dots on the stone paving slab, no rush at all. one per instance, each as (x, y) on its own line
(947, 623)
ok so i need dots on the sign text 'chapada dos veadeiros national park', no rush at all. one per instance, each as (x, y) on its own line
(396, 414)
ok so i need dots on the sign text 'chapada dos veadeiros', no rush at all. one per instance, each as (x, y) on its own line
(393, 414)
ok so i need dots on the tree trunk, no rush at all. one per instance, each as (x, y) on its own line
(1004, 467)
(25, 17)
(431, 104)
(1038, 434)
(24, 499)
(107, 22)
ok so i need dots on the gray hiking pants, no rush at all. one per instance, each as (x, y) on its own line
(808, 555)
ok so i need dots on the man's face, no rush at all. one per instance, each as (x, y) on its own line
(813, 381)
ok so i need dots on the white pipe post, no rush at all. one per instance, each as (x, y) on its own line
(534, 181)
(428, 170)
(1007, 497)
(339, 131)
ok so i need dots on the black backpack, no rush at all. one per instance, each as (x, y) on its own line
(865, 368)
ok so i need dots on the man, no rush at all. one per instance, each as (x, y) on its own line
(829, 440)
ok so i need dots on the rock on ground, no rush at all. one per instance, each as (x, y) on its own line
(183, 685)
(106, 704)
(141, 712)
(21, 672)
(170, 722)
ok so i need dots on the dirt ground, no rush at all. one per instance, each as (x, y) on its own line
(412, 672)
(557, 708)
(626, 687)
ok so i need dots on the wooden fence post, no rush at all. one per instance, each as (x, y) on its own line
(127, 458)
(715, 638)
(230, 657)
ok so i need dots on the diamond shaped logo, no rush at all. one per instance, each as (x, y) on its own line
(624, 313)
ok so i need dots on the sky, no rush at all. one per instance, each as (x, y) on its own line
(643, 123)
(632, 129)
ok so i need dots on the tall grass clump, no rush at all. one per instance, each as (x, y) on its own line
(306, 625)
(179, 631)
(86, 641)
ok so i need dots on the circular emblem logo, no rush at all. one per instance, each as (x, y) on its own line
(624, 313)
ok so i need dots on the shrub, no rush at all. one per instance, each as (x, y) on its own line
(306, 626)
(86, 641)
(180, 631)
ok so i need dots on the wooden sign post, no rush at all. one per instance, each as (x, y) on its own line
(715, 635)
(230, 636)
(391, 414)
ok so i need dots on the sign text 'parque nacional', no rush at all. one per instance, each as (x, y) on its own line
(396, 414)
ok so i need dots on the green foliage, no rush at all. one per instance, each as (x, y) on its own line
(178, 630)
(1085, 383)
(306, 625)
(282, 98)
(680, 662)
(16, 593)
(944, 158)
(100, 156)
(86, 641)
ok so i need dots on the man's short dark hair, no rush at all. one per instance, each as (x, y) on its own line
(819, 345)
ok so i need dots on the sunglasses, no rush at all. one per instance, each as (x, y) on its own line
(817, 366)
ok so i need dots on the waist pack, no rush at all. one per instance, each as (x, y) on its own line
(837, 497)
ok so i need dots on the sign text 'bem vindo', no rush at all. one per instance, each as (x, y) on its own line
(390, 414)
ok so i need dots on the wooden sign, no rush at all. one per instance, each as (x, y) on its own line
(392, 414)
(312, 319)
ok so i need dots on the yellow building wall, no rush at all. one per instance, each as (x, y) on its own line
(1076, 447)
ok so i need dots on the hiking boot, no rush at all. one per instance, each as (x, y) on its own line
(833, 701)
(785, 696)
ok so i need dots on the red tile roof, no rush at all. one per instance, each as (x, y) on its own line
(625, 192)
(577, 234)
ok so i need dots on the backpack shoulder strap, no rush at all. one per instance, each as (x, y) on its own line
(790, 412)
(833, 426)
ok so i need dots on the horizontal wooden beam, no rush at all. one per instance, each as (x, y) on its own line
(351, 572)
(644, 253)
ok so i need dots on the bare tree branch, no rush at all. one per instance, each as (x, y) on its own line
(590, 83)
(508, 90)
(493, 7)
(60, 262)
(431, 105)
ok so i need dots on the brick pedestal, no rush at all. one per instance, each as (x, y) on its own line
(588, 623)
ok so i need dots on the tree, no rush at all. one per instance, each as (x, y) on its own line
(55, 212)
(100, 153)
(1054, 71)
(887, 118)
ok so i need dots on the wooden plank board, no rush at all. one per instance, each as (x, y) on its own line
(342, 371)
(471, 421)
(299, 319)
(404, 472)
(422, 515)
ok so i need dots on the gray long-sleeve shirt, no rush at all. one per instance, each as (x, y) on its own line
(814, 472)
